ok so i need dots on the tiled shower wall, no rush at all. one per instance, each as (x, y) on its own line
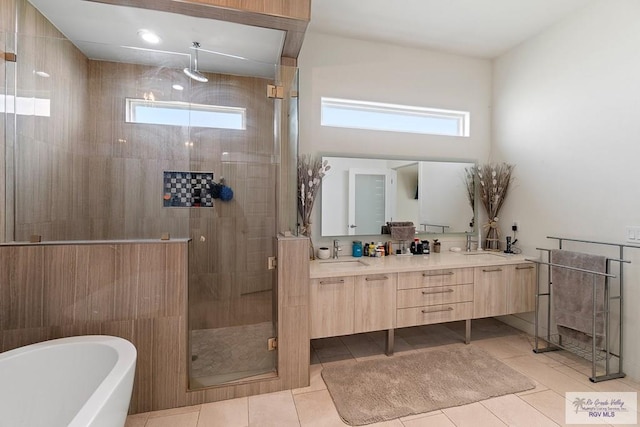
(231, 241)
(85, 174)
(54, 138)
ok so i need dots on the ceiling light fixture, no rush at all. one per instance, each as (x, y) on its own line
(42, 74)
(178, 87)
(149, 36)
(195, 74)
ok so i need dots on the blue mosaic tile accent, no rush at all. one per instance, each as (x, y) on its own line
(187, 189)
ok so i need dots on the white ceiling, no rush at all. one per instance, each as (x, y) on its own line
(109, 32)
(479, 28)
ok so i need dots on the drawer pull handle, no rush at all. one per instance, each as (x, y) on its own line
(529, 267)
(450, 273)
(332, 282)
(373, 279)
(491, 271)
(447, 291)
(437, 311)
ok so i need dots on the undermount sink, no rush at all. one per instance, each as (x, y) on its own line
(348, 263)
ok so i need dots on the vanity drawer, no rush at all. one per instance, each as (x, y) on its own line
(421, 279)
(433, 314)
(434, 295)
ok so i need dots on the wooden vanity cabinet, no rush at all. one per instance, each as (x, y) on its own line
(522, 288)
(504, 289)
(352, 304)
(331, 301)
(490, 291)
(374, 302)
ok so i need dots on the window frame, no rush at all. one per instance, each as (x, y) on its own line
(463, 117)
(132, 103)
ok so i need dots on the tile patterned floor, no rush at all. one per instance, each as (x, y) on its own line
(554, 374)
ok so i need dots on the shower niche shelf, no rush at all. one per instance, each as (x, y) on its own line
(184, 189)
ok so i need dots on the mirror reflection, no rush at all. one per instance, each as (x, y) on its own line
(360, 195)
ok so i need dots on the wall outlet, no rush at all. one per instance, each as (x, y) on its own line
(632, 234)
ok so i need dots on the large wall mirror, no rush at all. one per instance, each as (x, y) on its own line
(360, 195)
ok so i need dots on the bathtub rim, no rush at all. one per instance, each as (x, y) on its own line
(124, 366)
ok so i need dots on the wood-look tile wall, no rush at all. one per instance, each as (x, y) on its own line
(3, 146)
(7, 16)
(108, 185)
(135, 291)
(49, 186)
(232, 240)
(138, 292)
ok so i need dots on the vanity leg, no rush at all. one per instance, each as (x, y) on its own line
(467, 332)
(389, 342)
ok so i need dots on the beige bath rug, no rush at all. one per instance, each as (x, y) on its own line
(383, 389)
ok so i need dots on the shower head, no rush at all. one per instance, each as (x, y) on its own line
(195, 74)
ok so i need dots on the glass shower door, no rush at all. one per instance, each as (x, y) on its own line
(5, 138)
(232, 292)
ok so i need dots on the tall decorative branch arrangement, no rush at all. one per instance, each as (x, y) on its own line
(311, 170)
(493, 181)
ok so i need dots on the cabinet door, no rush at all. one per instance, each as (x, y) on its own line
(374, 302)
(522, 289)
(490, 291)
(331, 306)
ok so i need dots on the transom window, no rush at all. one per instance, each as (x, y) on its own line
(185, 114)
(354, 114)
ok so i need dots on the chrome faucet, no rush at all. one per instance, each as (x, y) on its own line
(469, 241)
(336, 248)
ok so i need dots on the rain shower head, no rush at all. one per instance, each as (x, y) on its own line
(195, 74)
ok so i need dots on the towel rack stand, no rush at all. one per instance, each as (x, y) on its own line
(555, 342)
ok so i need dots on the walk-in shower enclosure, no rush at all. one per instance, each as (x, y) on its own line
(111, 150)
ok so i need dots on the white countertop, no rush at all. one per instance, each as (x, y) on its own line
(349, 266)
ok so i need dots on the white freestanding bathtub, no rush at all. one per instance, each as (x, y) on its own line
(83, 381)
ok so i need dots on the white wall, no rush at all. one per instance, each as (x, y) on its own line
(407, 189)
(567, 114)
(347, 68)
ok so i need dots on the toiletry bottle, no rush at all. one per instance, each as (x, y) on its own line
(365, 250)
(372, 249)
(414, 246)
(425, 247)
(436, 246)
(381, 249)
(196, 197)
(356, 249)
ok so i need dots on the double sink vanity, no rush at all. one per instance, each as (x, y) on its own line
(354, 295)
